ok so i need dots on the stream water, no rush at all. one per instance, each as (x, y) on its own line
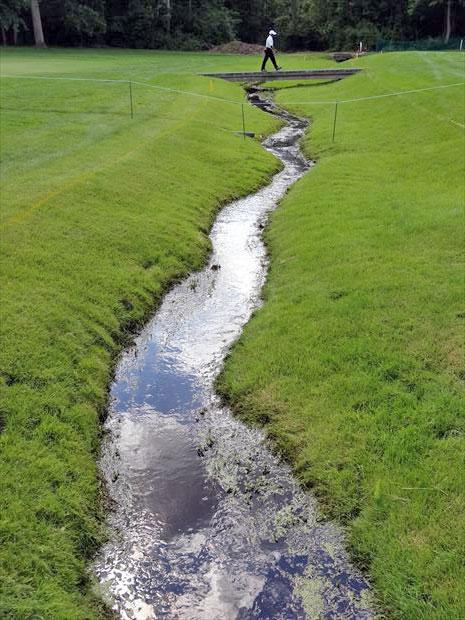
(207, 523)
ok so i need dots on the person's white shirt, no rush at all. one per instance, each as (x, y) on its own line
(269, 41)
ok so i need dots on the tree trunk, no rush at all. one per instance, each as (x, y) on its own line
(15, 34)
(168, 15)
(37, 23)
(4, 41)
(448, 21)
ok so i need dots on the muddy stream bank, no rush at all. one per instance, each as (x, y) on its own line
(207, 522)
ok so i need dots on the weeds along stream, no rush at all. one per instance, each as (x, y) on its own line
(207, 523)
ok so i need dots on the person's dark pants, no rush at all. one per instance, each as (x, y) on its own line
(269, 54)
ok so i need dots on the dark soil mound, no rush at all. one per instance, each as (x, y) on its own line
(237, 47)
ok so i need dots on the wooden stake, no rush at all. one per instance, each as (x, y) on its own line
(130, 100)
(335, 119)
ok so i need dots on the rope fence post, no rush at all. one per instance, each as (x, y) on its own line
(130, 100)
(335, 120)
(243, 121)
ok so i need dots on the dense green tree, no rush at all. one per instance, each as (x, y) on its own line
(213, 22)
(297, 27)
(83, 21)
(343, 23)
(255, 17)
(437, 17)
(182, 24)
(11, 19)
(199, 24)
(131, 23)
(73, 22)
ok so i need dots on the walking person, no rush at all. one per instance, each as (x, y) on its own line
(269, 51)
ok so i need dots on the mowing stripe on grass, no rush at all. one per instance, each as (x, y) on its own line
(397, 94)
(83, 177)
(169, 90)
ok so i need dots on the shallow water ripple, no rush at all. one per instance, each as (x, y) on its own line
(207, 522)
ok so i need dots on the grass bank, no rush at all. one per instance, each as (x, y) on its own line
(355, 363)
(100, 212)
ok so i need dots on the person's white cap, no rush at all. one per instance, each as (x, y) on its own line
(272, 32)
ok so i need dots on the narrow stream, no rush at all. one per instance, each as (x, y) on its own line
(207, 523)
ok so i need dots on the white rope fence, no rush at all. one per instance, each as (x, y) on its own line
(146, 84)
(396, 94)
(193, 94)
(335, 103)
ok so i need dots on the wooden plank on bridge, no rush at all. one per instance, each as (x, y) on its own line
(267, 76)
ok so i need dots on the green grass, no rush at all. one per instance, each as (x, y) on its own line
(99, 214)
(355, 363)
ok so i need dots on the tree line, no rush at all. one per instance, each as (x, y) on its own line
(200, 24)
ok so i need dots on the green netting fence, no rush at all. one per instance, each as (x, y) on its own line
(426, 45)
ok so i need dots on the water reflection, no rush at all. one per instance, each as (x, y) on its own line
(208, 524)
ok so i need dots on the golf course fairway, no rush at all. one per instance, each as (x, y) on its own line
(355, 361)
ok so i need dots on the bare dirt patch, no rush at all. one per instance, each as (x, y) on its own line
(237, 47)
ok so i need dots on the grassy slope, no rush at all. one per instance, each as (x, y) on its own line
(355, 363)
(99, 214)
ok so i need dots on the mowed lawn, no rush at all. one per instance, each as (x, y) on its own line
(355, 364)
(100, 212)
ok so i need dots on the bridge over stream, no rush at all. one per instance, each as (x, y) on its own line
(268, 76)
